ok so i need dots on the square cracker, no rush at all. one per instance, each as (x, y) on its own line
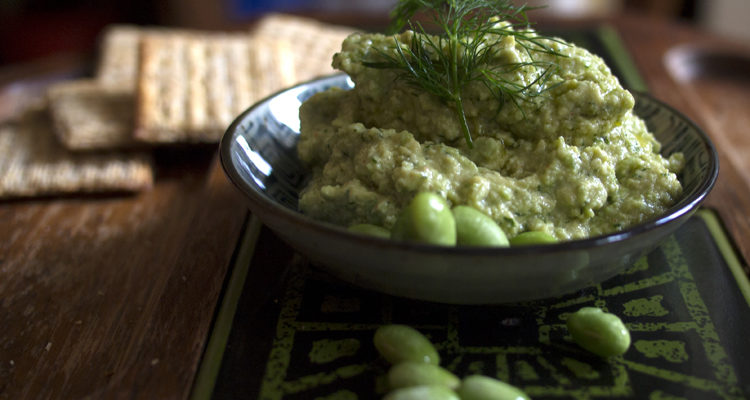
(314, 43)
(191, 86)
(118, 55)
(89, 115)
(34, 163)
(119, 48)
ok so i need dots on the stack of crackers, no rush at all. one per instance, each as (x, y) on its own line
(154, 87)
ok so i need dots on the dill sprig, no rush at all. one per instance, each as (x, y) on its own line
(445, 64)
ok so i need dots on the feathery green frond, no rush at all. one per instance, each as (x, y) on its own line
(445, 64)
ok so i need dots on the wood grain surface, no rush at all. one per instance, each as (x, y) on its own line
(717, 103)
(113, 297)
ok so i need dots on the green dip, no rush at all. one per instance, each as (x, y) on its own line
(574, 162)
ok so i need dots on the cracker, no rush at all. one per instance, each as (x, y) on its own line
(191, 86)
(119, 52)
(118, 55)
(34, 164)
(271, 67)
(314, 43)
(89, 115)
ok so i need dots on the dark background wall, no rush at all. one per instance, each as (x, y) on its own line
(31, 29)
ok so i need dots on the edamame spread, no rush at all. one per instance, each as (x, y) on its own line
(573, 161)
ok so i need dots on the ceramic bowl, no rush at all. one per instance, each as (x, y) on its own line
(258, 153)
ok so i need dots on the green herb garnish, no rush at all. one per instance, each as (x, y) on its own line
(445, 64)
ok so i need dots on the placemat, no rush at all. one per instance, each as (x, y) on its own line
(300, 334)
(286, 330)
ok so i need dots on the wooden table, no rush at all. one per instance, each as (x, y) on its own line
(113, 297)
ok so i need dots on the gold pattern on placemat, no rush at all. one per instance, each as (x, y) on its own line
(322, 346)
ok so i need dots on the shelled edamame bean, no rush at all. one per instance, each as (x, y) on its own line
(416, 375)
(479, 387)
(429, 219)
(475, 228)
(423, 392)
(426, 219)
(532, 238)
(370, 229)
(409, 373)
(599, 332)
(399, 343)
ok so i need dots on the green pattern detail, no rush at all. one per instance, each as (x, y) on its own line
(559, 376)
(640, 285)
(540, 372)
(639, 266)
(340, 395)
(526, 371)
(550, 366)
(278, 360)
(326, 350)
(580, 369)
(619, 389)
(670, 350)
(451, 336)
(699, 313)
(659, 395)
(687, 380)
(573, 302)
(651, 307)
(701, 324)
(322, 378)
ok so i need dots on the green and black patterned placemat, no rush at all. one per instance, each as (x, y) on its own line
(299, 334)
(285, 330)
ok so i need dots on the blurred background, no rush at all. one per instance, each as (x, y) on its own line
(31, 29)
